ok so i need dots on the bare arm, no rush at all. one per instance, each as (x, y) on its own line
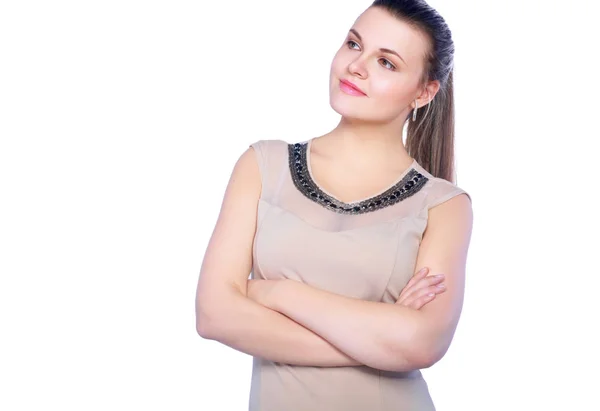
(223, 311)
(389, 336)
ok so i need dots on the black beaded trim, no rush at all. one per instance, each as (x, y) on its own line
(410, 184)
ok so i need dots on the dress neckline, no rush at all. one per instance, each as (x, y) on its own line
(408, 183)
(412, 165)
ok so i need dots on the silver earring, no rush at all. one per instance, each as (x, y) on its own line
(415, 111)
(429, 104)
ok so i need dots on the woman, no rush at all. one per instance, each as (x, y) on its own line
(333, 229)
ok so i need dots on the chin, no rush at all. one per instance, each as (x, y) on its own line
(357, 108)
(352, 110)
(346, 109)
(347, 106)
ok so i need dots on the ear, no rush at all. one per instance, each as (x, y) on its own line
(428, 93)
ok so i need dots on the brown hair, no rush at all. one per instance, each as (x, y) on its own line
(430, 139)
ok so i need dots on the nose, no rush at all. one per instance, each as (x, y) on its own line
(357, 68)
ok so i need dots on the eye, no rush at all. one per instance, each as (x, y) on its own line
(350, 42)
(391, 66)
(386, 64)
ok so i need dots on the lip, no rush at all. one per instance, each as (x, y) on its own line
(351, 88)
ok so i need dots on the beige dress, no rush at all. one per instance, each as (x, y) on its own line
(366, 250)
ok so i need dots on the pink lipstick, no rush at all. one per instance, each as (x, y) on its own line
(351, 89)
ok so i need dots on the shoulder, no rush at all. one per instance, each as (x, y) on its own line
(271, 157)
(449, 210)
(263, 147)
(445, 203)
(271, 153)
(438, 191)
(256, 168)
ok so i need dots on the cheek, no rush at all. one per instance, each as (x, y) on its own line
(336, 72)
(336, 66)
(390, 94)
(340, 62)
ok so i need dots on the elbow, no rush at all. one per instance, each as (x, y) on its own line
(217, 313)
(414, 352)
(204, 326)
(206, 322)
(405, 361)
(212, 327)
(213, 314)
(408, 361)
(428, 355)
(425, 361)
(202, 319)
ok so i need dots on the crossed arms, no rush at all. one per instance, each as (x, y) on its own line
(290, 322)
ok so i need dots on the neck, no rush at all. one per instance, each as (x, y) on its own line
(374, 142)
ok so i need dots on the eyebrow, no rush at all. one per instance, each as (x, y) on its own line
(381, 49)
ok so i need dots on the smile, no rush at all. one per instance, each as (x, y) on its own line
(350, 89)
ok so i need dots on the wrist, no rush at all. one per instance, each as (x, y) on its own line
(279, 294)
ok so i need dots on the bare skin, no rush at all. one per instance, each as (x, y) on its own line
(364, 152)
(360, 156)
(421, 289)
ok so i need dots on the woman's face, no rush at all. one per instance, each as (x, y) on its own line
(390, 82)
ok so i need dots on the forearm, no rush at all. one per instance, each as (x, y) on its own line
(382, 336)
(259, 331)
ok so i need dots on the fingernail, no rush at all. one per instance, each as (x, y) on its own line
(438, 275)
(440, 286)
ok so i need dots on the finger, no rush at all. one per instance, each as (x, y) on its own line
(414, 279)
(425, 292)
(421, 301)
(422, 284)
(426, 295)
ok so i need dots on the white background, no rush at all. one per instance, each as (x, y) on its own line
(120, 122)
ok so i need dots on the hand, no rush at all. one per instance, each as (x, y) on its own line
(421, 289)
(260, 290)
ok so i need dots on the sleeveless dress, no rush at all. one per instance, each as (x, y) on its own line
(366, 249)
